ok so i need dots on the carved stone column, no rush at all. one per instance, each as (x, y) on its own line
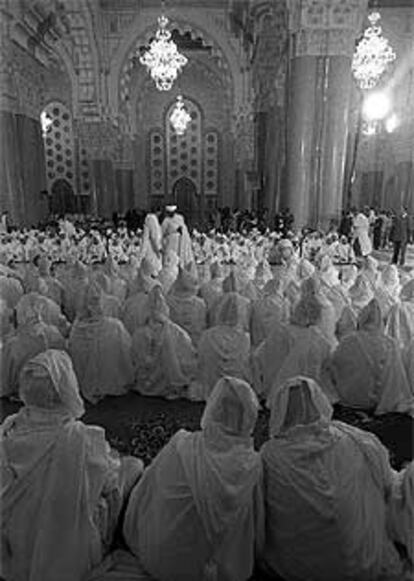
(322, 38)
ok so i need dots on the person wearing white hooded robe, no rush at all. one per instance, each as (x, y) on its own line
(62, 487)
(367, 368)
(152, 242)
(197, 513)
(224, 349)
(400, 320)
(32, 336)
(326, 487)
(300, 348)
(100, 348)
(269, 311)
(163, 354)
(187, 310)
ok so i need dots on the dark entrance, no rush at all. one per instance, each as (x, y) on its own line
(185, 196)
(63, 200)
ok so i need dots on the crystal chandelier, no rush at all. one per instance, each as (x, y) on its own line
(373, 54)
(180, 118)
(163, 60)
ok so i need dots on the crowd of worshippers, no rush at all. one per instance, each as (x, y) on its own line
(237, 322)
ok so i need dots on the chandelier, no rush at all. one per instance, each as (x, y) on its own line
(373, 54)
(163, 60)
(180, 118)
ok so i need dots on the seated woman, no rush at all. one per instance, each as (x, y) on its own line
(360, 294)
(11, 290)
(297, 348)
(367, 369)
(233, 284)
(271, 310)
(100, 349)
(262, 276)
(117, 286)
(197, 512)
(330, 286)
(163, 354)
(62, 487)
(135, 310)
(75, 280)
(50, 311)
(400, 321)
(32, 336)
(187, 309)
(48, 285)
(111, 304)
(326, 486)
(402, 513)
(388, 289)
(211, 290)
(224, 349)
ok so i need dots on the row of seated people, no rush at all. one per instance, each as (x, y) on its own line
(179, 343)
(318, 502)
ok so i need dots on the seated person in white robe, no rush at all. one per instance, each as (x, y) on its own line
(135, 310)
(224, 349)
(232, 284)
(299, 348)
(62, 487)
(48, 285)
(326, 486)
(212, 289)
(111, 304)
(270, 310)
(367, 369)
(262, 276)
(117, 286)
(331, 289)
(75, 282)
(361, 293)
(402, 513)
(163, 354)
(11, 290)
(187, 309)
(50, 311)
(346, 324)
(100, 348)
(197, 511)
(32, 336)
(400, 320)
(388, 289)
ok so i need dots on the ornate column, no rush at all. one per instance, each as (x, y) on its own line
(322, 39)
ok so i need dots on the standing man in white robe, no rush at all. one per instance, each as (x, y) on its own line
(361, 233)
(152, 241)
(176, 237)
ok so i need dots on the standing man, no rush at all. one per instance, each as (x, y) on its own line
(400, 236)
(176, 237)
(152, 241)
(362, 241)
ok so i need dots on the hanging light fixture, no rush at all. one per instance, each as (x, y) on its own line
(180, 118)
(162, 59)
(372, 55)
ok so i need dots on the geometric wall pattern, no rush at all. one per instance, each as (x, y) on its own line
(211, 163)
(157, 170)
(59, 145)
(184, 152)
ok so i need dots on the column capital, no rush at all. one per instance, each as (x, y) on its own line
(325, 27)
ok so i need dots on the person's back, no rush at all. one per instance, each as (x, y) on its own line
(326, 486)
(100, 348)
(33, 336)
(224, 349)
(367, 369)
(11, 290)
(135, 311)
(186, 309)
(197, 512)
(61, 488)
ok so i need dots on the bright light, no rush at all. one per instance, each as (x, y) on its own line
(376, 106)
(46, 122)
(392, 123)
(179, 117)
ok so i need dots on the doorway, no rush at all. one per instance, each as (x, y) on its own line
(185, 196)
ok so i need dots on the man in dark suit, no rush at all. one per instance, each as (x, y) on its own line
(400, 236)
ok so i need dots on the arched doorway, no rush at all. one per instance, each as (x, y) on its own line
(185, 196)
(63, 201)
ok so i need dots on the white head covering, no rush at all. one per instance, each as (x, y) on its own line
(299, 402)
(57, 365)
